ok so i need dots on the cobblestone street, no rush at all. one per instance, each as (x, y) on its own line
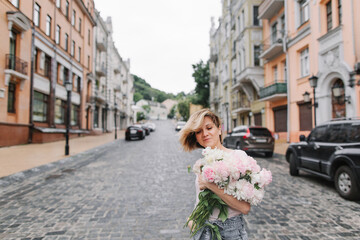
(142, 190)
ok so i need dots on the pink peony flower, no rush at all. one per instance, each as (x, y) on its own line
(265, 178)
(208, 173)
(221, 170)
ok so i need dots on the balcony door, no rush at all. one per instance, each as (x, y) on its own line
(12, 50)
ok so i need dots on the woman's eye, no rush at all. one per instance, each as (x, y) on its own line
(209, 128)
(198, 132)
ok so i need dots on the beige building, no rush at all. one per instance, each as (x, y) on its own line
(157, 111)
(236, 73)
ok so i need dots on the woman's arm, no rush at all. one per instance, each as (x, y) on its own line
(242, 206)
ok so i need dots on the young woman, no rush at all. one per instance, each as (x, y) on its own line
(203, 130)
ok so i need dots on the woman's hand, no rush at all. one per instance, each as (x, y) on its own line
(202, 183)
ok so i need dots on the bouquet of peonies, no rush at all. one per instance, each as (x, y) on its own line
(237, 173)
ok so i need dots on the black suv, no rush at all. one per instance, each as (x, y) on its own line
(251, 139)
(331, 151)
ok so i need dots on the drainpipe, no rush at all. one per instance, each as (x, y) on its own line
(287, 74)
(31, 127)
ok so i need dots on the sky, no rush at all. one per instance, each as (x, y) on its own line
(162, 38)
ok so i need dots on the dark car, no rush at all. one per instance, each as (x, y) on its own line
(146, 128)
(151, 126)
(134, 131)
(331, 151)
(251, 139)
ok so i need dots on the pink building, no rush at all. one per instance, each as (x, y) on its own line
(309, 42)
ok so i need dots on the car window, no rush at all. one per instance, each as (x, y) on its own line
(319, 134)
(260, 132)
(337, 133)
(354, 133)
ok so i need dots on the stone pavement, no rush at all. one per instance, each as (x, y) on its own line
(16, 159)
(141, 190)
(20, 158)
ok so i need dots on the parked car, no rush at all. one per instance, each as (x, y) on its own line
(251, 139)
(179, 125)
(146, 128)
(151, 126)
(134, 131)
(331, 151)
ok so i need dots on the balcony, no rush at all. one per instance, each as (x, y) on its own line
(117, 69)
(101, 70)
(99, 96)
(17, 68)
(100, 44)
(269, 8)
(274, 91)
(273, 45)
(213, 57)
(240, 107)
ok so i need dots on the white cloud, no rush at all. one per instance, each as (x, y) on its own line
(162, 38)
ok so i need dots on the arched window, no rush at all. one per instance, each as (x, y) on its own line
(338, 99)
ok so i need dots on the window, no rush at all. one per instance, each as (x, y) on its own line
(285, 71)
(88, 36)
(67, 9)
(57, 34)
(319, 134)
(36, 14)
(66, 75)
(73, 48)
(66, 42)
(354, 133)
(58, 3)
(340, 11)
(60, 106)
(74, 114)
(15, 3)
(96, 117)
(73, 19)
(40, 107)
(275, 72)
(88, 62)
(79, 25)
(304, 62)
(79, 57)
(48, 25)
(329, 16)
(256, 55)
(337, 133)
(78, 84)
(304, 11)
(47, 66)
(255, 16)
(11, 97)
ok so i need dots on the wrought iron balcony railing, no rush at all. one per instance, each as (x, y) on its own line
(16, 64)
(278, 87)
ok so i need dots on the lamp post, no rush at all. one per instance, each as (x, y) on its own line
(68, 87)
(313, 83)
(226, 105)
(115, 113)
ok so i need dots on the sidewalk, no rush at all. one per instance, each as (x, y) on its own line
(19, 158)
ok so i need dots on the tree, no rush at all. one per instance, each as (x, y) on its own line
(202, 78)
(138, 96)
(184, 109)
(172, 112)
(140, 116)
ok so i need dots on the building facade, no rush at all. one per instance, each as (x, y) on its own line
(236, 73)
(318, 58)
(51, 62)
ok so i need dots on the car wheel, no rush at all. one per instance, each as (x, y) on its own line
(127, 139)
(345, 183)
(293, 168)
(269, 154)
(238, 146)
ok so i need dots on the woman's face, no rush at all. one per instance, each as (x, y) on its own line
(208, 134)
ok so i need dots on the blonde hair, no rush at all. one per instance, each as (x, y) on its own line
(187, 134)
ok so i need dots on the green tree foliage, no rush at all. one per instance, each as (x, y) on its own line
(147, 108)
(143, 90)
(140, 116)
(184, 108)
(172, 112)
(201, 75)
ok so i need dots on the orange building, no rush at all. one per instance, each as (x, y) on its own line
(49, 43)
(309, 42)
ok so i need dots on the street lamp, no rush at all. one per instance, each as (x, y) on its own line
(226, 105)
(313, 83)
(68, 87)
(115, 119)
